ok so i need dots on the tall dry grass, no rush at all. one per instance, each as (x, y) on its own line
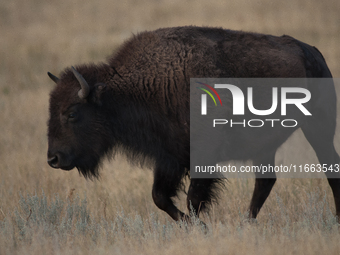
(116, 214)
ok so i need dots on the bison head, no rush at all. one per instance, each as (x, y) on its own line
(78, 133)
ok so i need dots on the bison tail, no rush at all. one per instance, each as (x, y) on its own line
(315, 63)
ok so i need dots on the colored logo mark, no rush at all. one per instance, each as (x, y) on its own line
(209, 93)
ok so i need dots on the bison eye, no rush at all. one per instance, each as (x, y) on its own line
(72, 116)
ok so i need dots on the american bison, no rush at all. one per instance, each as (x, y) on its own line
(138, 102)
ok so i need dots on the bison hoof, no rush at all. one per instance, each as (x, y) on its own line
(186, 222)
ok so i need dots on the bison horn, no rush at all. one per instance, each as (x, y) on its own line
(85, 88)
(53, 78)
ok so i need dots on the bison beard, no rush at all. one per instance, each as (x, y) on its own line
(138, 103)
(89, 166)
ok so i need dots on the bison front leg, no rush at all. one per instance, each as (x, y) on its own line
(166, 184)
(202, 192)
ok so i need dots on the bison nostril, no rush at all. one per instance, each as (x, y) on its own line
(53, 161)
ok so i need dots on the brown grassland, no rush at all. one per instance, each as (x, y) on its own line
(48, 211)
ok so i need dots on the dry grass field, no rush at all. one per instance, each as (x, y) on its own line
(48, 211)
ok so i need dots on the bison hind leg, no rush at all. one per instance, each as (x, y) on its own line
(319, 132)
(263, 184)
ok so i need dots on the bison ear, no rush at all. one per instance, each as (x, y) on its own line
(99, 88)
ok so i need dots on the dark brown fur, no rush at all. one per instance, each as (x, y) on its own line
(139, 103)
